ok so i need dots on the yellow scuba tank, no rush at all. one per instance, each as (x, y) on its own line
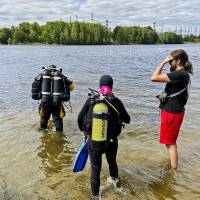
(100, 116)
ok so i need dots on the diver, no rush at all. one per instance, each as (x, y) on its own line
(173, 99)
(101, 119)
(52, 88)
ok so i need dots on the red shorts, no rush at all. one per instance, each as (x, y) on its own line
(170, 126)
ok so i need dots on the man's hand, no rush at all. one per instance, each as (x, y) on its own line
(167, 59)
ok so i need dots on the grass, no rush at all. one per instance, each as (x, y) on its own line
(5, 193)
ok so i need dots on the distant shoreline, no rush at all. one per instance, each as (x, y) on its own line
(85, 33)
(37, 44)
(192, 42)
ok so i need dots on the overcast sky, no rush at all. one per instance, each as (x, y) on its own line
(124, 12)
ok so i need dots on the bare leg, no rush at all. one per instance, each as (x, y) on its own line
(173, 155)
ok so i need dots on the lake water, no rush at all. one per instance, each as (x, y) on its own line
(37, 165)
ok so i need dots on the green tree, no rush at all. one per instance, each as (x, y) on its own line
(121, 36)
(75, 33)
(65, 36)
(134, 34)
(5, 34)
(83, 33)
(170, 38)
(24, 29)
(19, 37)
(35, 32)
(46, 33)
(115, 32)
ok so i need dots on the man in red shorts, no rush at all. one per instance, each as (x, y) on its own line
(173, 99)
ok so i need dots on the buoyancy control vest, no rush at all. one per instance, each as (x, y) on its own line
(68, 86)
(99, 124)
(36, 88)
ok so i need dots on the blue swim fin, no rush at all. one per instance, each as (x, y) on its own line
(81, 157)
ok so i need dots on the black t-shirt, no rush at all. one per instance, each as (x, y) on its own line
(179, 80)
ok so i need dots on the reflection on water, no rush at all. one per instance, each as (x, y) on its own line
(55, 152)
(163, 187)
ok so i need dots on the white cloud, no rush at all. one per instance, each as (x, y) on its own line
(125, 12)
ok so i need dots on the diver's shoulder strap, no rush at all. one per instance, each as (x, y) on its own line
(38, 77)
(109, 103)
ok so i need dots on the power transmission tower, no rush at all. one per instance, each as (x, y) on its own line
(188, 30)
(176, 29)
(196, 31)
(154, 25)
(162, 27)
(107, 24)
(92, 17)
(76, 17)
(181, 30)
(185, 30)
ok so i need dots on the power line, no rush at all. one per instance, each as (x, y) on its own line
(178, 29)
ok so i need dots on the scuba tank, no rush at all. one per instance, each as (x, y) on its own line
(46, 87)
(57, 89)
(49, 86)
(100, 116)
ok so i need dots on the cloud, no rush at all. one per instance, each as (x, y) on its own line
(124, 12)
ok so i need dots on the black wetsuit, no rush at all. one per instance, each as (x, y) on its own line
(55, 111)
(112, 145)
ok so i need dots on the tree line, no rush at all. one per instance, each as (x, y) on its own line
(192, 38)
(57, 32)
(81, 33)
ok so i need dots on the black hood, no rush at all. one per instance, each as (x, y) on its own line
(106, 80)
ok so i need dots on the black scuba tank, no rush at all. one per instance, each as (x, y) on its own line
(58, 88)
(46, 87)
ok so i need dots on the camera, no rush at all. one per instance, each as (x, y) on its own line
(162, 97)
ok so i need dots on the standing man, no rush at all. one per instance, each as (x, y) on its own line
(101, 120)
(52, 88)
(173, 99)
